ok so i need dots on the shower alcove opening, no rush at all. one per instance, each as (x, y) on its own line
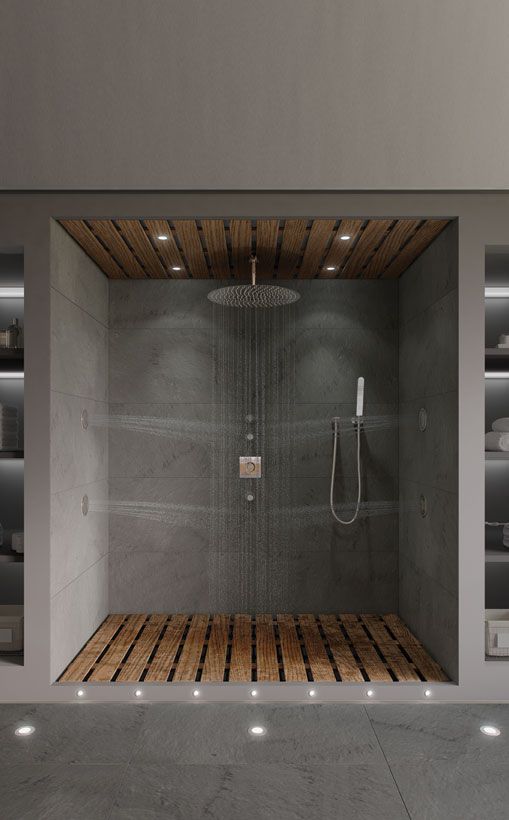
(169, 562)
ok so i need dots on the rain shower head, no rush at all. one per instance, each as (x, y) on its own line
(253, 295)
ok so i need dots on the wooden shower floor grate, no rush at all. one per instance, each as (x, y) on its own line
(241, 648)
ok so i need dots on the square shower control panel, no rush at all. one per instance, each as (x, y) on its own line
(250, 467)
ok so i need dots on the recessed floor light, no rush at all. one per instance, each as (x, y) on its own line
(80, 693)
(427, 693)
(370, 693)
(312, 693)
(254, 693)
(196, 693)
(257, 730)
(344, 237)
(138, 693)
(162, 237)
(491, 731)
(24, 731)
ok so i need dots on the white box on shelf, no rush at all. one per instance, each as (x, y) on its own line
(497, 632)
(11, 628)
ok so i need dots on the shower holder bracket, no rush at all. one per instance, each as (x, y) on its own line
(250, 467)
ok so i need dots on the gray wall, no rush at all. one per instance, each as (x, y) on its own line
(79, 458)
(162, 365)
(428, 461)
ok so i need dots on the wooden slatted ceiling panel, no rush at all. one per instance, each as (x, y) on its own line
(218, 249)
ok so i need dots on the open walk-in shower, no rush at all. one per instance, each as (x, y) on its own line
(266, 506)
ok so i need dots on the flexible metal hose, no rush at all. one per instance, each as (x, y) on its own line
(334, 453)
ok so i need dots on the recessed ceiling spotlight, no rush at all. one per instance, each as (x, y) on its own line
(491, 731)
(330, 267)
(370, 693)
(427, 693)
(257, 730)
(138, 693)
(196, 693)
(254, 693)
(162, 237)
(80, 693)
(176, 267)
(23, 731)
(345, 237)
(312, 693)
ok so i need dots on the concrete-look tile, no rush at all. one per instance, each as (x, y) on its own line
(431, 276)
(76, 612)
(329, 362)
(430, 338)
(318, 532)
(70, 733)
(161, 440)
(167, 303)
(79, 350)
(260, 792)
(313, 439)
(312, 734)
(78, 456)
(56, 792)
(430, 543)
(431, 613)
(430, 457)
(77, 540)
(346, 303)
(161, 365)
(75, 275)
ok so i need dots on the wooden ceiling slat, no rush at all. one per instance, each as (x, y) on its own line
(167, 248)
(189, 238)
(294, 235)
(419, 242)
(389, 248)
(215, 242)
(132, 231)
(106, 231)
(266, 245)
(92, 247)
(241, 241)
(319, 237)
(340, 248)
(371, 236)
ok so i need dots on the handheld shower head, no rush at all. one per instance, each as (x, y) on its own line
(360, 397)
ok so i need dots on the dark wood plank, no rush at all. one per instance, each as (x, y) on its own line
(429, 668)
(241, 243)
(419, 242)
(77, 671)
(390, 247)
(366, 245)
(319, 237)
(340, 249)
(215, 243)
(267, 667)
(241, 657)
(106, 231)
(266, 245)
(110, 662)
(133, 233)
(293, 663)
(318, 659)
(167, 248)
(294, 237)
(189, 238)
(346, 664)
(162, 662)
(371, 661)
(137, 660)
(215, 659)
(389, 648)
(93, 248)
(189, 661)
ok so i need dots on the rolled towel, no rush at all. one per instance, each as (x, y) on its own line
(496, 441)
(501, 425)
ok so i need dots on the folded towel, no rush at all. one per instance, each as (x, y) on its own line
(501, 425)
(9, 442)
(9, 425)
(496, 441)
(7, 411)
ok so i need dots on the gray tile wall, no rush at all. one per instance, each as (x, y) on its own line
(79, 458)
(428, 461)
(161, 371)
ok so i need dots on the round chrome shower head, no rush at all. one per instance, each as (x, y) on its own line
(253, 295)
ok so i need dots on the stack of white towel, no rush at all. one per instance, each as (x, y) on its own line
(498, 437)
(9, 428)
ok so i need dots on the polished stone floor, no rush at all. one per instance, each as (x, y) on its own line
(190, 761)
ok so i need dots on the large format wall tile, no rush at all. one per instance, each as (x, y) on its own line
(430, 457)
(172, 440)
(169, 304)
(75, 276)
(78, 456)
(77, 541)
(346, 304)
(76, 612)
(79, 350)
(161, 365)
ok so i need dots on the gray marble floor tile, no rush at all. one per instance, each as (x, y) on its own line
(84, 733)
(304, 735)
(259, 792)
(59, 792)
(160, 304)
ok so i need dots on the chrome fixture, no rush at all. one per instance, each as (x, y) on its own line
(357, 422)
(253, 295)
(250, 467)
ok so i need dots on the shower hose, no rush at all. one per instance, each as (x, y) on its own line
(334, 453)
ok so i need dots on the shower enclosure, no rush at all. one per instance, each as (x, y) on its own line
(198, 436)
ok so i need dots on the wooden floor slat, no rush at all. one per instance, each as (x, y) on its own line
(328, 648)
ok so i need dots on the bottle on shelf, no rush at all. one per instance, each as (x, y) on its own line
(13, 334)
